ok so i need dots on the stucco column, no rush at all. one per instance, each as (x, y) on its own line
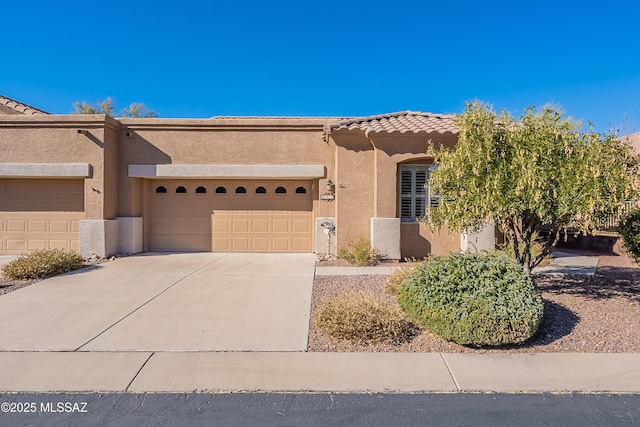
(385, 237)
(98, 237)
(483, 239)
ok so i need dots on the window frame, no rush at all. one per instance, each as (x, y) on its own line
(415, 196)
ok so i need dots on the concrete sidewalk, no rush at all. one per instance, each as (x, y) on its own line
(567, 264)
(562, 264)
(317, 372)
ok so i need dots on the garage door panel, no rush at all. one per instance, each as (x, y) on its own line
(260, 225)
(240, 244)
(16, 246)
(221, 225)
(260, 244)
(281, 244)
(221, 244)
(33, 245)
(38, 225)
(301, 244)
(281, 225)
(40, 214)
(59, 244)
(240, 225)
(61, 226)
(300, 225)
(243, 222)
(14, 225)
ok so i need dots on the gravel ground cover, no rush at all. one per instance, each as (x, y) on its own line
(582, 314)
(9, 285)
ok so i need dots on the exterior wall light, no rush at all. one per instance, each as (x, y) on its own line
(329, 185)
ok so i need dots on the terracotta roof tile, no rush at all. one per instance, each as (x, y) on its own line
(18, 107)
(402, 122)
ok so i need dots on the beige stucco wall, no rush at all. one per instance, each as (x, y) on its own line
(55, 139)
(367, 187)
(354, 185)
(363, 169)
(233, 141)
(418, 240)
(392, 150)
(218, 142)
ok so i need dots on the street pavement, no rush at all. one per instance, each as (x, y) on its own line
(320, 409)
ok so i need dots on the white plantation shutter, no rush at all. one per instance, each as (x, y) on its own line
(414, 192)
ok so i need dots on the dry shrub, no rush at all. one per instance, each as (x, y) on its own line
(359, 253)
(399, 275)
(363, 318)
(42, 264)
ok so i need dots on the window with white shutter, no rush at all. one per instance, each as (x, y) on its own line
(414, 192)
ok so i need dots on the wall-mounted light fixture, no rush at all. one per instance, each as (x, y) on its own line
(129, 134)
(329, 185)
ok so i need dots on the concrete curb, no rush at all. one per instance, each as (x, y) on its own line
(179, 372)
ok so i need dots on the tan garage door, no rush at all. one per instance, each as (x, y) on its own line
(40, 214)
(232, 216)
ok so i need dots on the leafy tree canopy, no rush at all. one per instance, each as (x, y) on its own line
(106, 107)
(539, 172)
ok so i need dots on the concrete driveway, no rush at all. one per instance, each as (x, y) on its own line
(166, 302)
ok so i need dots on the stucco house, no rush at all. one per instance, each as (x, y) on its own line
(102, 185)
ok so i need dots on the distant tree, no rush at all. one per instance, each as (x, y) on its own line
(537, 172)
(106, 107)
(138, 110)
(103, 107)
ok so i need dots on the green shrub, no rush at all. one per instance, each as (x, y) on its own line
(629, 229)
(359, 253)
(473, 299)
(361, 317)
(42, 264)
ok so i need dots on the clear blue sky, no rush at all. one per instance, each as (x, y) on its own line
(337, 58)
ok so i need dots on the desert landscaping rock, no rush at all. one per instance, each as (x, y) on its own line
(582, 314)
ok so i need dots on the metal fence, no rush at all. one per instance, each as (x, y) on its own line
(610, 224)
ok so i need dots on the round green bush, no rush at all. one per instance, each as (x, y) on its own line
(629, 229)
(479, 299)
(42, 264)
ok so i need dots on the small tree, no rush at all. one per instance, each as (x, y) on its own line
(106, 107)
(138, 110)
(537, 172)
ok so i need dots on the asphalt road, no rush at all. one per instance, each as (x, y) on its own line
(269, 409)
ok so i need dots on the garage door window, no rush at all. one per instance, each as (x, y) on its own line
(201, 190)
(161, 189)
(221, 190)
(301, 190)
(281, 190)
(241, 190)
(181, 190)
(261, 190)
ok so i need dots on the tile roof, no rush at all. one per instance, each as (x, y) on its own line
(402, 122)
(633, 139)
(11, 106)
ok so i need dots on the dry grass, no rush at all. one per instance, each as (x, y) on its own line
(364, 318)
(399, 275)
(359, 253)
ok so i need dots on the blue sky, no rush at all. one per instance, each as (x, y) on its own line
(335, 58)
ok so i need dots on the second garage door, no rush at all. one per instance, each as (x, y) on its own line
(232, 216)
(40, 214)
